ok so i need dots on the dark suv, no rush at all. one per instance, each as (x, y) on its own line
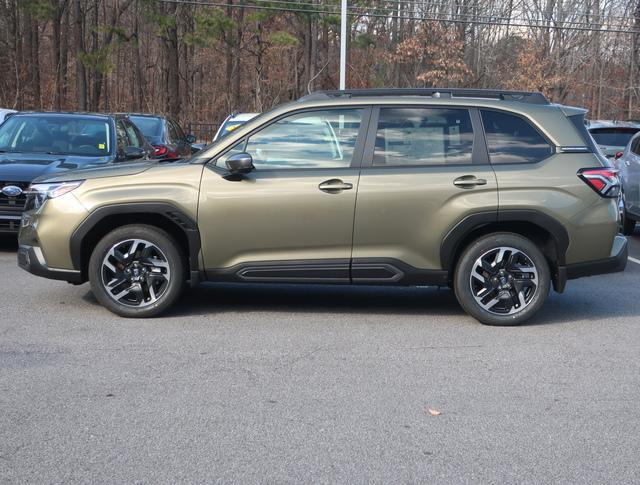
(36, 144)
(165, 135)
(499, 195)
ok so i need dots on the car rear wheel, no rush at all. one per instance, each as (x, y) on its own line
(502, 279)
(136, 271)
(627, 225)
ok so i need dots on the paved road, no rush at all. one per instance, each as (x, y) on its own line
(280, 384)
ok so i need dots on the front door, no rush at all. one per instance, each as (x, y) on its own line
(424, 170)
(290, 219)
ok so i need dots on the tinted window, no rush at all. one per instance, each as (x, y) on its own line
(132, 134)
(150, 127)
(511, 139)
(56, 134)
(423, 136)
(318, 139)
(615, 137)
(179, 132)
(121, 133)
(635, 147)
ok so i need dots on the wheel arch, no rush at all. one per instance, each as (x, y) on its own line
(545, 231)
(159, 214)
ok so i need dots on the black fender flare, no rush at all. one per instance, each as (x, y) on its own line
(451, 242)
(169, 211)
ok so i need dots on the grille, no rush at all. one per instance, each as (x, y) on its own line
(13, 203)
(9, 225)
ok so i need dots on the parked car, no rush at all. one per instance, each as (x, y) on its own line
(628, 163)
(275, 201)
(34, 144)
(5, 113)
(612, 136)
(233, 121)
(165, 135)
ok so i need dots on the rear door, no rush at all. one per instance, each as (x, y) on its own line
(424, 170)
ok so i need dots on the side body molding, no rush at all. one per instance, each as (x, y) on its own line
(166, 210)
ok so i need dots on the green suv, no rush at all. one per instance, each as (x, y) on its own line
(496, 194)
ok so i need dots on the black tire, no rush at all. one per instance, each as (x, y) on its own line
(160, 248)
(627, 224)
(530, 261)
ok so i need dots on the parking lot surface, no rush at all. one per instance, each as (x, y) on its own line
(278, 384)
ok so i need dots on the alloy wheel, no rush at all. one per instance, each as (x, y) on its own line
(504, 280)
(135, 272)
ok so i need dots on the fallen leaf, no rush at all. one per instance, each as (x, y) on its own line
(434, 412)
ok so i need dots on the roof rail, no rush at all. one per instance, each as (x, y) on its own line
(505, 95)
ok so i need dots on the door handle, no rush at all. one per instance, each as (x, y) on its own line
(334, 186)
(468, 182)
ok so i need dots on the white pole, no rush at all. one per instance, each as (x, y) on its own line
(343, 45)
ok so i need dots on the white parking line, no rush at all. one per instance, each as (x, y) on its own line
(634, 260)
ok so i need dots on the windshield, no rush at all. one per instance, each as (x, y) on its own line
(229, 126)
(614, 137)
(150, 127)
(59, 135)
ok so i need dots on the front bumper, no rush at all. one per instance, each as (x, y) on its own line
(30, 259)
(615, 263)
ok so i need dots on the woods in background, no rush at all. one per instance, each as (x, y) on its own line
(199, 62)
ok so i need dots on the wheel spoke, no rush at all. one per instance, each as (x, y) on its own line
(135, 272)
(504, 280)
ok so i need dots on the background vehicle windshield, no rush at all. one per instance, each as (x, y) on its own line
(614, 137)
(55, 135)
(229, 126)
(150, 127)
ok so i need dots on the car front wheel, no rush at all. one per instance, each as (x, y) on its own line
(502, 279)
(136, 271)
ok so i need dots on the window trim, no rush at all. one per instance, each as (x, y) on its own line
(479, 154)
(356, 159)
(531, 123)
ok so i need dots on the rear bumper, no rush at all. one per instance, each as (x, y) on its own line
(30, 259)
(613, 264)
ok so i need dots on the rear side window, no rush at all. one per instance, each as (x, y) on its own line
(635, 146)
(423, 136)
(511, 139)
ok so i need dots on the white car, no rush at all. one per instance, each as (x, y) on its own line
(4, 113)
(232, 122)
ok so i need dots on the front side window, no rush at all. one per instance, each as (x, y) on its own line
(315, 139)
(511, 139)
(132, 134)
(423, 136)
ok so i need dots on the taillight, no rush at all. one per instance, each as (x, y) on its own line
(160, 150)
(604, 181)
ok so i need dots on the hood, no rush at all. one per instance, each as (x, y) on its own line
(25, 167)
(106, 170)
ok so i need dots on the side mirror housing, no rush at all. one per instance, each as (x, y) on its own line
(190, 138)
(618, 155)
(240, 163)
(133, 153)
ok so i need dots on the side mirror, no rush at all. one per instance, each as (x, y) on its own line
(190, 139)
(196, 147)
(134, 153)
(240, 163)
(618, 155)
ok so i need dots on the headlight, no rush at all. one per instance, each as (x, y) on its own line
(38, 193)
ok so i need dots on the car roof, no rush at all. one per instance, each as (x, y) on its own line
(74, 114)
(242, 116)
(144, 115)
(595, 124)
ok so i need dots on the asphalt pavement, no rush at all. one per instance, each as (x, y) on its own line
(279, 384)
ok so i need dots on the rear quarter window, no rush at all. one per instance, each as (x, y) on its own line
(512, 139)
